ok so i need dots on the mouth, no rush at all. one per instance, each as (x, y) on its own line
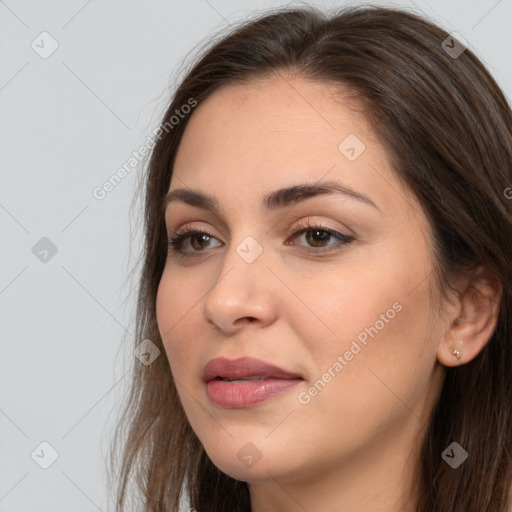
(237, 381)
(245, 382)
(244, 368)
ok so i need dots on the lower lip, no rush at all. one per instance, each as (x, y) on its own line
(246, 394)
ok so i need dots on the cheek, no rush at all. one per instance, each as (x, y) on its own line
(340, 310)
(377, 326)
(379, 384)
(175, 307)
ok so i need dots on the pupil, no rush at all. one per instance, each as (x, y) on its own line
(317, 238)
(197, 237)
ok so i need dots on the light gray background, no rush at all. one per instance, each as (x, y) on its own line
(68, 122)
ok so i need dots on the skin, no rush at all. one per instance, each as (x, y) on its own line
(354, 445)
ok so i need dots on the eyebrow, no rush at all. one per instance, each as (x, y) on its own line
(275, 200)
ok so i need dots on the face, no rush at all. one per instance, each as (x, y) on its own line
(329, 287)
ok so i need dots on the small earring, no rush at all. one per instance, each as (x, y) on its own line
(456, 352)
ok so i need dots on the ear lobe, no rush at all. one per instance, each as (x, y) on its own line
(473, 326)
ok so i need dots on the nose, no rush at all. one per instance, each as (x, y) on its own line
(240, 295)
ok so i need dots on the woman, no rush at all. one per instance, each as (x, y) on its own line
(327, 273)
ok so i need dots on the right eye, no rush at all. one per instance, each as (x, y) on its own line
(177, 239)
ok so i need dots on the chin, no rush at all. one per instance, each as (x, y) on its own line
(251, 462)
(260, 471)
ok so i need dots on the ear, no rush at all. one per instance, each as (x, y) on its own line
(474, 318)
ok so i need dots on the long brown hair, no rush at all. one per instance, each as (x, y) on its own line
(448, 129)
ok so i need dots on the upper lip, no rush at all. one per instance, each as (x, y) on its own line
(244, 367)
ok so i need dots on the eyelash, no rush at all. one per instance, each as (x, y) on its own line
(175, 242)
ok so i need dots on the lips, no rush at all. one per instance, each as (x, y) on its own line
(244, 368)
(245, 382)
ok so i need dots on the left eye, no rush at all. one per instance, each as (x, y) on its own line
(318, 235)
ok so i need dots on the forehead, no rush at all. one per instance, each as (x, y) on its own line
(278, 112)
(248, 139)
